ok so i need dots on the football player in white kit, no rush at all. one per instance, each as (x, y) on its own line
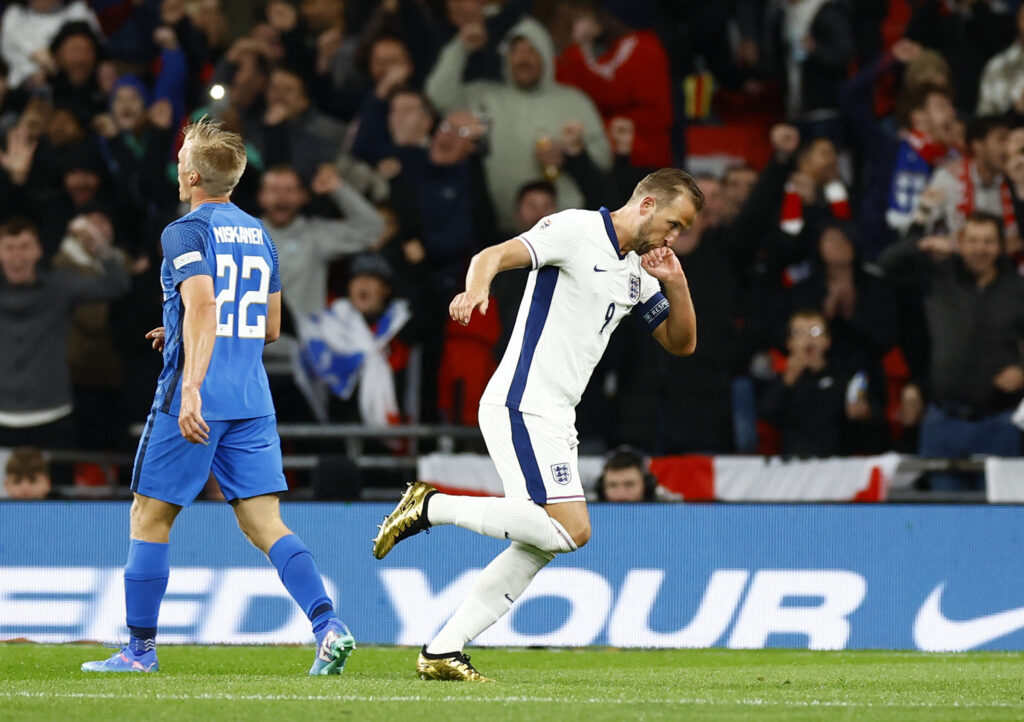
(589, 270)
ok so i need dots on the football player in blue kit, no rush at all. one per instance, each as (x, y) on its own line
(213, 409)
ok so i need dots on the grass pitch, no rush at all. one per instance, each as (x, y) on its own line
(270, 683)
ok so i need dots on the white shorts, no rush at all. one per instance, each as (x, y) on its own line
(536, 457)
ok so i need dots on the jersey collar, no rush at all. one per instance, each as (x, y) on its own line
(612, 236)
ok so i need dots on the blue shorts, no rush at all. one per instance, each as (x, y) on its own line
(244, 455)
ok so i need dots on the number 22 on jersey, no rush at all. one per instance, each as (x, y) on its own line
(226, 266)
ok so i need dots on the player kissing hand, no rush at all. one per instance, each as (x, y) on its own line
(190, 418)
(461, 308)
(662, 264)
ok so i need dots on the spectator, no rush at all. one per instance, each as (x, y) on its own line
(812, 196)
(878, 143)
(483, 32)
(96, 371)
(816, 407)
(292, 131)
(737, 183)
(975, 182)
(305, 244)
(325, 44)
(392, 117)
(209, 19)
(626, 478)
(139, 141)
(927, 119)
(527, 109)
(354, 347)
(30, 171)
(390, 68)
(1002, 81)
(72, 62)
(242, 73)
(856, 303)
(967, 33)
(974, 306)
(26, 31)
(27, 475)
(35, 316)
(389, 59)
(441, 198)
(84, 184)
(568, 155)
(812, 42)
(626, 74)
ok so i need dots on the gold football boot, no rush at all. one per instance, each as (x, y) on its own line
(454, 667)
(408, 518)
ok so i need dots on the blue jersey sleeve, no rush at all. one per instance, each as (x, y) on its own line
(275, 275)
(185, 250)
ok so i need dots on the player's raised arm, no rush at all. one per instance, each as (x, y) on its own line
(678, 332)
(482, 269)
(199, 331)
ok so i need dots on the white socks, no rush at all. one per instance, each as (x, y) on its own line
(499, 584)
(519, 520)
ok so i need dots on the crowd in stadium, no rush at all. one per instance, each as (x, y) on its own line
(856, 272)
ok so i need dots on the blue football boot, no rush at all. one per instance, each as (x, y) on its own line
(123, 660)
(333, 649)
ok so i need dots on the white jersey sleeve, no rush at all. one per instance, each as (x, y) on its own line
(554, 240)
(653, 307)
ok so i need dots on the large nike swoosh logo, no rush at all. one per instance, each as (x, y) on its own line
(599, 270)
(933, 632)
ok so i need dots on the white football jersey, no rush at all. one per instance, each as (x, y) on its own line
(580, 288)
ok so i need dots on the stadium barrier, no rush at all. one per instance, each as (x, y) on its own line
(742, 576)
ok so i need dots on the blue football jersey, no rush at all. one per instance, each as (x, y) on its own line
(222, 241)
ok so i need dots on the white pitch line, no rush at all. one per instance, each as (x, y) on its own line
(749, 702)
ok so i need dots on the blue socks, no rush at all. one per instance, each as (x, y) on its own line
(147, 569)
(301, 578)
(145, 581)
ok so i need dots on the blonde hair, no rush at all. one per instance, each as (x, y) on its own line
(667, 183)
(928, 66)
(217, 155)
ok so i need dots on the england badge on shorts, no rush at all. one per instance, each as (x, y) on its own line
(634, 288)
(561, 473)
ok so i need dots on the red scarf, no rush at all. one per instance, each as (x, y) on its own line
(791, 215)
(966, 206)
(925, 146)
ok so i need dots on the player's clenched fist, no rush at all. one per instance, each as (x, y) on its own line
(461, 308)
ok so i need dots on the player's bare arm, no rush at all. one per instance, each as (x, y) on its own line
(678, 333)
(273, 317)
(485, 265)
(199, 331)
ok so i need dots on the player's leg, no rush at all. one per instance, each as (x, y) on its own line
(249, 469)
(169, 473)
(148, 569)
(509, 574)
(493, 593)
(522, 514)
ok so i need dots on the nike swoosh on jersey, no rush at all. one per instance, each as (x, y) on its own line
(599, 270)
(934, 632)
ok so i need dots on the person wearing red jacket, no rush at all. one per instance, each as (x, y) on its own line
(625, 72)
